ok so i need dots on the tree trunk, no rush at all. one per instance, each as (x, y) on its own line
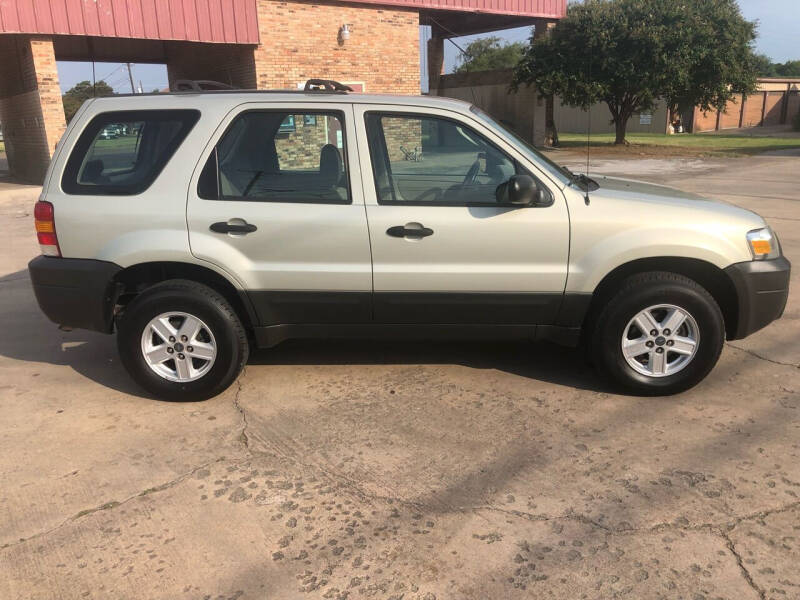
(621, 124)
(551, 133)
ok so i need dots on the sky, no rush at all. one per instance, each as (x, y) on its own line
(115, 74)
(778, 32)
(779, 38)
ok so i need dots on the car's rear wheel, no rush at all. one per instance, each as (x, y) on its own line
(661, 334)
(182, 341)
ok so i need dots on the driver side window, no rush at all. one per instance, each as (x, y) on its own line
(435, 161)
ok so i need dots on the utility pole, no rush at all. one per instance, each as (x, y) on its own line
(130, 77)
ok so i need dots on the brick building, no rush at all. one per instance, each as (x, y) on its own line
(776, 102)
(263, 44)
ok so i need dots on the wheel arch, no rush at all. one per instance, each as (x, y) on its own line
(706, 274)
(135, 279)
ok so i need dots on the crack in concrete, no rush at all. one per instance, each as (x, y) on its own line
(764, 358)
(569, 516)
(243, 437)
(763, 514)
(113, 504)
(745, 573)
(720, 528)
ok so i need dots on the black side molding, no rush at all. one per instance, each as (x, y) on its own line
(267, 337)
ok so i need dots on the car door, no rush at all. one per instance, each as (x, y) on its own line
(447, 247)
(278, 205)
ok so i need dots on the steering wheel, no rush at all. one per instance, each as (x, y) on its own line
(472, 174)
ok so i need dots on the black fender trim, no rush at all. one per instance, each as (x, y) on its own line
(76, 292)
(762, 287)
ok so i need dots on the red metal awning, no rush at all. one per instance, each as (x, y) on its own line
(543, 9)
(229, 21)
(224, 21)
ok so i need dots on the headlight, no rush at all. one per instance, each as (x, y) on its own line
(763, 244)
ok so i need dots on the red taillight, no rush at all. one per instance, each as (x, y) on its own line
(44, 219)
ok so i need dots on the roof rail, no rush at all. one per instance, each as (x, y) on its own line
(198, 85)
(326, 85)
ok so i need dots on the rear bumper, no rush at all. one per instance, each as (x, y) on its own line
(75, 292)
(762, 288)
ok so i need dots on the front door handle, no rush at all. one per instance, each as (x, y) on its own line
(228, 227)
(410, 230)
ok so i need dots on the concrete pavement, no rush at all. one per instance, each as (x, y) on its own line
(414, 471)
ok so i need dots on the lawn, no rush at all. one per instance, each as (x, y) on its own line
(650, 144)
(2, 147)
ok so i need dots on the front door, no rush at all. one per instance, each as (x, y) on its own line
(447, 247)
(277, 206)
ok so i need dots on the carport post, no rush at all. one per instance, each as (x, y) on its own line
(31, 109)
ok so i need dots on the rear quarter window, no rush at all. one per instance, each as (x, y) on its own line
(122, 152)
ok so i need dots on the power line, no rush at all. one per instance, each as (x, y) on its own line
(460, 49)
(112, 72)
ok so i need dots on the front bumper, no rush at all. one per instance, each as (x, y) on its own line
(762, 287)
(75, 292)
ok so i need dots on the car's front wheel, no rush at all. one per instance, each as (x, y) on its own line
(181, 340)
(661, 334)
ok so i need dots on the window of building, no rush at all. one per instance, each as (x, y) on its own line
(273, 156)
(122, 153)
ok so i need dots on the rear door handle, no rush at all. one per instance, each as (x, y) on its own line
(409, 230)
(228, 227)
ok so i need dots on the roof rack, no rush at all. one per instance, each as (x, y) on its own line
(326, 85)
(199, 85)
(323, 86)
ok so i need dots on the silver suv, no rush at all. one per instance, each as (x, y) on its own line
(217, 221)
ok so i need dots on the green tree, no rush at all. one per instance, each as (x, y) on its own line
(486, 54)
(80, 92)
(765, 66)
(791, 68)
(630, 53)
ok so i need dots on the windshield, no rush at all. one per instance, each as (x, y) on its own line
(560, 173)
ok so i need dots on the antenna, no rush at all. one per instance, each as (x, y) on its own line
(589, 123)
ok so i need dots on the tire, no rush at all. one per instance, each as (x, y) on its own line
(660, 295)
(219, 338)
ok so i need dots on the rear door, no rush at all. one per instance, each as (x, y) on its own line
(279, 205)
(446, 247)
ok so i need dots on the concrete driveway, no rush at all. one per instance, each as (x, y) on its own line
(413, 471)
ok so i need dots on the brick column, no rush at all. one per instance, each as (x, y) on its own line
(31, 111)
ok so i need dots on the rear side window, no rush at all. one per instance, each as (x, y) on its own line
(280, 156)
(121, 153)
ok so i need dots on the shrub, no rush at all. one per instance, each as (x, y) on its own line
(796, 121)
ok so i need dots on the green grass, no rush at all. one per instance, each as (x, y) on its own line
(691, 144)
(2, 147)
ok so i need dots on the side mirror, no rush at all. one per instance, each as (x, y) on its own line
(523, 191)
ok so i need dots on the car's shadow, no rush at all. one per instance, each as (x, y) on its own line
(539, 361)
(29, 336)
